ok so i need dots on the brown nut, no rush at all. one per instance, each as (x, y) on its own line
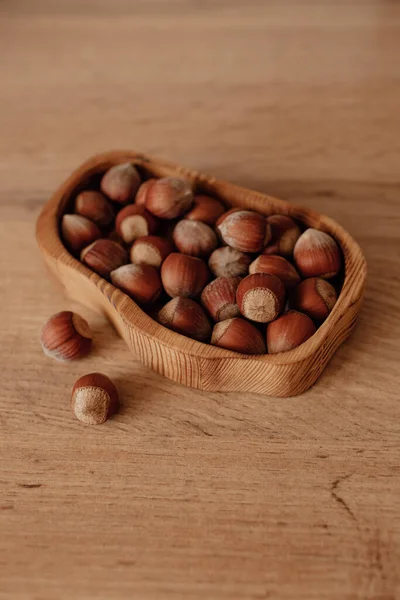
(276, 265)
(141, 194)
(94, 398)
(229, 262)
(169, 197)
(315, 297)
(141, 282)
(78, 232)
(205, 209)
(186, 317)
(316, 254)
(94, 206)
(66, 336)
(194, 238)
(151, 250)
(104, 256)
(284, 234)
(227, 213)
(120, 183)
(289, 331)
(219, 298)
(133, 222)
(244, 230)
(260, 297)
(238, 335)
(184, 275)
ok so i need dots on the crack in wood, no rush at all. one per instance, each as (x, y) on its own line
(339, 499)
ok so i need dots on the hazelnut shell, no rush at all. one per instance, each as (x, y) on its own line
(141, 282)
(244, 230)
(133, 222)
(94, 398)
(66, 336)
(151, 250)
(260, 297)
(316, 254)
(276, 265)
(219, 298)
(186, 317)
(169, 197)
(229, 262)
(104, 256)
(289, 331)
(315, 297)
(94, 206)
(120, 183)
(78, 232)
(184, 275)
(141, 194)
(284, 234)
(205, 209)
(238, 335)
(194, 238)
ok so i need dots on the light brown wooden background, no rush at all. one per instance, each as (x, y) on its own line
(186, 494)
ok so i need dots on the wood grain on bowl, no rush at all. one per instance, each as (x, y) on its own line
(177, 357)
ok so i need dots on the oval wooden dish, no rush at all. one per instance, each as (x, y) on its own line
(184, 360)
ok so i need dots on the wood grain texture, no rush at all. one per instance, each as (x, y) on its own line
(177, 357)
(189, 494)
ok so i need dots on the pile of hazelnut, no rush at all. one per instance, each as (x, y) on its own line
(232, 278)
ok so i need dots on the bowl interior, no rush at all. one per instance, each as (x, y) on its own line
(89, 174)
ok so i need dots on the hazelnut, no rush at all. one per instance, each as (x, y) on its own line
(151, 250)
(94, 399)
(169, 197)
(66, 336)
(260, 297)
(186, 317)
(120, 183)
(229, 262)
(141, 194)
(284, 234)
(194, 238)
(244, 230)
(141, 282)
(316, 254)
(222, 217)
(184, 275)
(276, 265)
(238, 335)
(205, 209)
(133, 222)
(94, 206)
(315, 297)
(104, 256)
(78, 232)
(219, 298)
(289, 331)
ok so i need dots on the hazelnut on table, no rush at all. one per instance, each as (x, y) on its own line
(66, 336)
(94, 399)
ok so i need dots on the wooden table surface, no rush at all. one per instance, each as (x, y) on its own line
(187, 494)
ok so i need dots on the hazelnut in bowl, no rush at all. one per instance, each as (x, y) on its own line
(274, 274)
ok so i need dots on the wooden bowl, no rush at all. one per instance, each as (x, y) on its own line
(184, 360)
